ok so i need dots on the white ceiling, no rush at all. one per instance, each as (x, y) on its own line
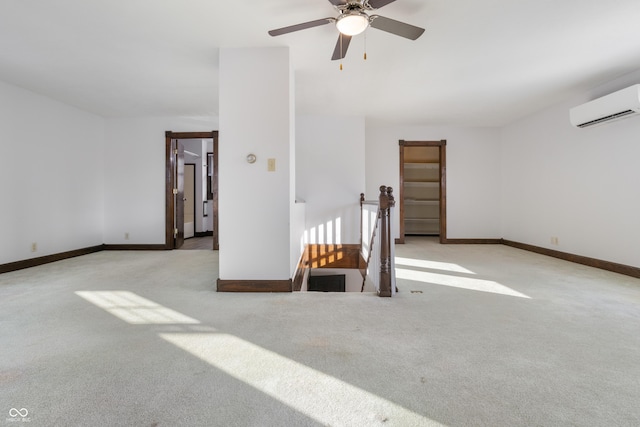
(481, 63)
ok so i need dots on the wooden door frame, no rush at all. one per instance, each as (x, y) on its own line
(170, 183)
(442, 145)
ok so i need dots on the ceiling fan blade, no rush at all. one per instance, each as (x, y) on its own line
(396, 27)
(377, 4)
(341, 48)
(298, 27)
(338, 2)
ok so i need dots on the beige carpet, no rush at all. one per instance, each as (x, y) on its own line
(478, 336)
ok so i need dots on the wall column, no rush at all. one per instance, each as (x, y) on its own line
(255, 198)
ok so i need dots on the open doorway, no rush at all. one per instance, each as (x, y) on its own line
(423, 190)
(205, 157)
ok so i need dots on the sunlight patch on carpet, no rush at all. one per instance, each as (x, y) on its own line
(134, 309)
(432, 265)
(319, 396)
(457, 282)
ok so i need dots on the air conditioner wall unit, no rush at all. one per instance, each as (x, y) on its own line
(617, 105)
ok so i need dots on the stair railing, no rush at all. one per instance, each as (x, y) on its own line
(376, 243)
(368, 250)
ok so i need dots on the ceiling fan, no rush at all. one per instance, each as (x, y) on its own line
(354, 19)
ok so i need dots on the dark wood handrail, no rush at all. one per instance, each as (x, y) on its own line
(385, 202)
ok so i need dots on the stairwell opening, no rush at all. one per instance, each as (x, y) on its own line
(333, 268)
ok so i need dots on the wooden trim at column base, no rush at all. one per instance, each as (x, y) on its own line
(254, 285)
(34, 262)
(627, 270)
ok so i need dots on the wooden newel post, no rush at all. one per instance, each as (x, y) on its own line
(386, 202)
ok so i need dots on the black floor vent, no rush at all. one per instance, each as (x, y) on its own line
(331, 283)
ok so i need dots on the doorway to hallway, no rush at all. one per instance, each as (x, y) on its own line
(198, 243)
(174, 186)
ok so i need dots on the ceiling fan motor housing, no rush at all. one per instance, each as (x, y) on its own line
(352, 22)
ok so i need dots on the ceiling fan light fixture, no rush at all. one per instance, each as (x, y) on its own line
(351, 24)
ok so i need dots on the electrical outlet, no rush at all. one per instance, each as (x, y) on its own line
(34, 247)
(554, 240)
(126, 236)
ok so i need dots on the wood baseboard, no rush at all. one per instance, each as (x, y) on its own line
(160, 247)
(627, 270)
(289, 285)
(34, 262)
(472, 241)
(254, 285)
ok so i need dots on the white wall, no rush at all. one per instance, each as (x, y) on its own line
(579, 185)
(473, 173)
(52, 174)
(255, 204)
(134, 155)
(330, 175)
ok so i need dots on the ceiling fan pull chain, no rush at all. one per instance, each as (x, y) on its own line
(341, 55)
(365, 45)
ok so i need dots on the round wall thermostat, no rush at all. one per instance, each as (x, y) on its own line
(251, 158)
